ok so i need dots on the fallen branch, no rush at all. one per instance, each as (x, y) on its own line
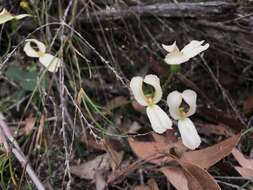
(168, 10)
(4, 130)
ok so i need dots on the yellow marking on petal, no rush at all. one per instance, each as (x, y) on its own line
(182, 112)
(40, 53)
(150, 100)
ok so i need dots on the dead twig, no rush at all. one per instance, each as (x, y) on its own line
(16, 150)
(168, 10)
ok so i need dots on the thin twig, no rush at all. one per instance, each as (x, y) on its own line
(16, 150)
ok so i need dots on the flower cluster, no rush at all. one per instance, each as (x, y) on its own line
(181, 105)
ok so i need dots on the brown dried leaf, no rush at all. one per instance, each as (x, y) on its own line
(141, 187)
(248, 105)
(152, 184)
(245, 172)
(176, 177)
(245, 163)
(88, 169)
(209, 156)
(205, 180)
(100, 181)
(29, 124)
(154, 151)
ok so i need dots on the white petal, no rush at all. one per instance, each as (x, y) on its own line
(189, 134)
(159, 120)
(31, 52)
(175, 58)
(136, 87)
(171, 48)
(154, 81)
(194, 48)
(5, 16)
(51, 62)
(174, 100)
(190, 97)
(18, 17)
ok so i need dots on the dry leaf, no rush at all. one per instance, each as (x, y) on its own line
(88, 169)
(245, 172)
(100, 181)
(113, 149)
(245, 163)
(29, 124)
(205, 180)
(141, 187)
(248, 105)
(40, 129)
(152, 184)
(154, 151)
(176, 177)
(209, 156)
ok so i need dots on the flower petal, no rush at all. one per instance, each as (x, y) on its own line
(159, 120)
(154, 81)
(18, 17)
(31, 52)
(194, 48)
(189, 134)
(5, 16)
(51, 62)
(136, 87)
(175, 58)
(174, 100)
(171, 48)
(190, 97)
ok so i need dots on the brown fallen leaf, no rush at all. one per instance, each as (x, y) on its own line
(245, 172)
(248, 105)
(100, 181)
(141, 187)
(88, 169)
(151, 185)
(29, 124)
(114, 151)
(176, 177)
(245, 163)
(209, 156)
(154, 151)
(205, 180)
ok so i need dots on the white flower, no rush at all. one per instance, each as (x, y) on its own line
(51, 62)
(6, 16)
(159, 120)
(175, 56)
(188, 132)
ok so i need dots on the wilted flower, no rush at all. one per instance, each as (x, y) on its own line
(51, 62)
(175, 56)
(159, 120)
(6, 16)
(181, 106)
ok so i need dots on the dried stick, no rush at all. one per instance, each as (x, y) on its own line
(16, 150)
(167, 10)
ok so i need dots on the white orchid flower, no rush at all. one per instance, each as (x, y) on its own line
(176, 57)
(159, 120)
(6, 16)
(51, 62)
(188, 132)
